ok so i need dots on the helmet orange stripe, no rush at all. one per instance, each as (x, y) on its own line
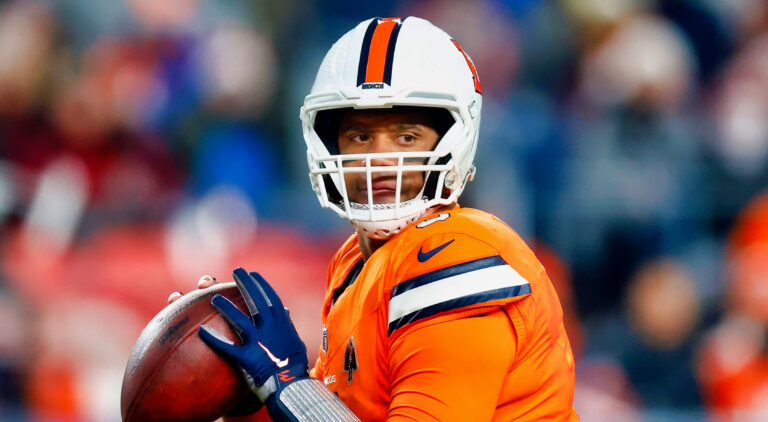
(391, 53)
(378, 53)
(364, 50)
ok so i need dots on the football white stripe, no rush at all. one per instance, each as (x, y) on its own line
(454, 287)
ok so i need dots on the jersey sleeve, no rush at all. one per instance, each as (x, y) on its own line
(451, 371)
(450, 275)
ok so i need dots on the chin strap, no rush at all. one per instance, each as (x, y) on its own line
(383, 230)
(388, 228)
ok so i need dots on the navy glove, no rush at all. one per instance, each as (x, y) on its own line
(272, 354)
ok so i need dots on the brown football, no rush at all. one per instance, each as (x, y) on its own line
(171, 374)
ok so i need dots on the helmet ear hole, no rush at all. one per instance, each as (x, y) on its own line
(326, 126)
(440, 119)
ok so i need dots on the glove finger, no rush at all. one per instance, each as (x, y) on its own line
(269, 292)
(216, 341)
(234, 316)
(255, 298)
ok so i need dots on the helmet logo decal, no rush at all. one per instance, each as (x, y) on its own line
(377, 53)
(478, 87)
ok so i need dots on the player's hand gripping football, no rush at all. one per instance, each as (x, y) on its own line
(271, 354)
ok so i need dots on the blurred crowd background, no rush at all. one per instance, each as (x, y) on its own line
(144, 143)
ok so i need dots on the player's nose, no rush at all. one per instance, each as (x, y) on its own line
(382, 143)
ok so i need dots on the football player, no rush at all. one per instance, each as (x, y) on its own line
(432, 311)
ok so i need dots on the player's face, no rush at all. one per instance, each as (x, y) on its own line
(378, 131)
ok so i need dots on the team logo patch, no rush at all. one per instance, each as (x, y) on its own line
(325, 339)
(350, 360)
(373, 85)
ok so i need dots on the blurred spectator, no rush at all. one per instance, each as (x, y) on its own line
(707, 30)
(7, 191)
(233, 154)
(166, 15)
(645, 62)
(14, 342)
(26, 41)
(652, 342)
(604, 393)
(76, 343)
(238, 81)
(733, 360)
(663, 308)
(733, 368)
(745, 19)
(740, 143)
(239, 71)
(630, 184)
(596, 19)
(562, 281)
(663, 305)
(751, 225)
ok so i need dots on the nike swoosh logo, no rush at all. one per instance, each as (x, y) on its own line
(278, 362)
(423, 256)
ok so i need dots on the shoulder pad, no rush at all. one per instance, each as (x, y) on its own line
(450, 271)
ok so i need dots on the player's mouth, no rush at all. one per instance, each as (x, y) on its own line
(383, 189)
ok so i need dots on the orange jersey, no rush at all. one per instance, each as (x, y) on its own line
(453, 318)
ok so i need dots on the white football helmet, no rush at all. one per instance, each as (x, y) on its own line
(383, 63)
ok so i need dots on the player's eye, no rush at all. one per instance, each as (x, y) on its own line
(407, 138)
(360, 137)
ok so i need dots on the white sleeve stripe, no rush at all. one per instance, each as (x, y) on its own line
(490, 261)
(454, 287)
